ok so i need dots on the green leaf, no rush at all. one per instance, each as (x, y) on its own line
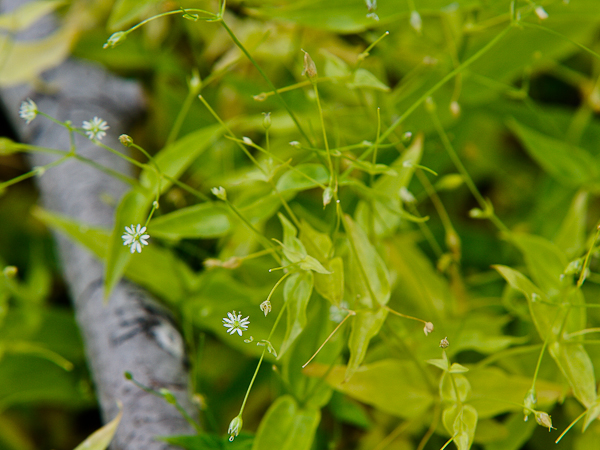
(460, 421)
(441, 363)
(365, 325)
(296, 293)
(370, 283)
(174, 159)
(207, 441)
(303, 177)
(567, 163)
(331, 285)
(406, 394)
(286, 426)
(26, 15)
(591, 414)
(365, 79)
(126, 12)
(541, 311)
(100, 439)
(24, 61)
(294, 250)
(570, 239)
(576, 365)
(204, 221)
(450, 385)
(131, 211)
(348, 411)
(458, 368)
(384, 212)
(335, 67)
(159, 270)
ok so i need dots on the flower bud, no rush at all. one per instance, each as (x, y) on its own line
(541, 13)
(455, 108)
(428, 328)
(267, 121)
(265, 307)
(219, 192)
(195, 82)
(115, 39)
(10, 271)
(126, 140)
(310, 70)
(444, 342)
(543, 419)
(529, 402)
(327, 196)
(415, 21)
(235, 427)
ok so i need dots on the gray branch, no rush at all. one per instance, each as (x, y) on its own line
(131, 332)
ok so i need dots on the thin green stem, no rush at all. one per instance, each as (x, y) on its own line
(269, 82)
(587, 259)
(332, 181)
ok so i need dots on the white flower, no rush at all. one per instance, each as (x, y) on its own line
(28, 110)
(96, 128)
(235, 323)
(134, 237)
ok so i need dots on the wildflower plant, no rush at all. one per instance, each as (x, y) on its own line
(377, 210)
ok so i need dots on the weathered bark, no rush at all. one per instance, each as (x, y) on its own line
(131, 332)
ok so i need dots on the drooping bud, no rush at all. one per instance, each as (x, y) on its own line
(327, 196)
(267, 121)
(235, 427)
(543, 419)
(115, 39)
(541, 13)
(265, 307)
(455, 108)
(428, 328)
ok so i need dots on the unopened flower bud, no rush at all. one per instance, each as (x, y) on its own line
(267, 121)
(247, 140)
(327, 196)
(126, 140)
(195, 82)
(10, 271)
(295, 144)
(430, 105)
(115, 39)
(428, 328)
(415, 21)
(265, 307)
(235, 427)
(444, 342)
(232, 263)
(543, 419)
(219, 192)
(310, 70)
(406, 196)
(541, 13)
(455, 108)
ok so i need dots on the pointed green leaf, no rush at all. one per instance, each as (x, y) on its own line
(406, 394)
(296, 293)
(458, 368)
(541, 311)
(100, 439)
(460, 421)
(286, 426)
(174, 159)
(571, 236)
(591, 414)
(371, 282)
(27, 14)
(303, 177)
(365, 325)
(451, 385)
(577, 367)
(131, 211)
(205, 221)
(331, 286)
(365, 79)
(567, 163)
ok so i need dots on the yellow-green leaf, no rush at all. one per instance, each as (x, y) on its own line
(100, 439)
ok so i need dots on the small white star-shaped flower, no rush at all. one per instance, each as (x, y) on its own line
(235, 323)
(28, 110)
(96, 128)
(135, 237)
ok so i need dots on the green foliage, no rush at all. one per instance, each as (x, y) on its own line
(418, 179)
